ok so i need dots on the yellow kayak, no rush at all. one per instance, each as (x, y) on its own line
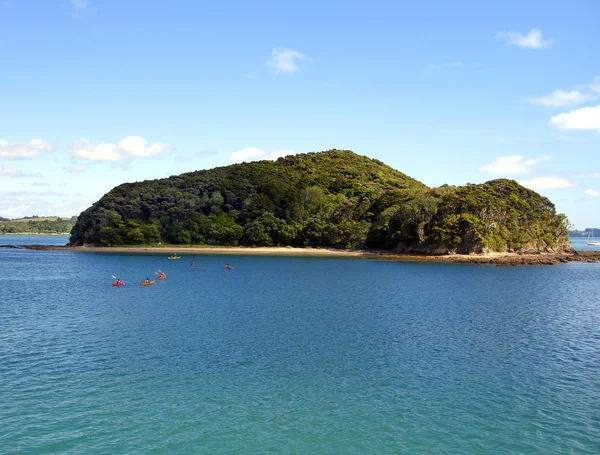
(174, 257)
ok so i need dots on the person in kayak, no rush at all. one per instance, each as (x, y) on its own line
(147, 280)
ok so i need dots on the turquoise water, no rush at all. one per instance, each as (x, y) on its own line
(296, 355)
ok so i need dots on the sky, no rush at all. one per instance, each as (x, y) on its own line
(95, 93)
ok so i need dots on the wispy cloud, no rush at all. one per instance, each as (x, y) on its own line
(254, 153)
(591, 192)
(515, 164)
(587, 118)
(562, 98)
(14, 173)
(130, 146)
(533, 39)
(79, 7)
(285, 60)
(547, 183)
(31, 149)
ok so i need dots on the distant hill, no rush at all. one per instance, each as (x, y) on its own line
(584, 233)
(37, 225)
(335, 199)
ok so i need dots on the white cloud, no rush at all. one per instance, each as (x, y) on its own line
(281, 153)
(29, 150)
(513, 164)
(591, 192)
(547, 183)
(136, 146)
(130, 146)
(532, 40)
(253, 153)
(562, 98)
(587, 118)
(247, 154)
(285, 60)
(95, 152)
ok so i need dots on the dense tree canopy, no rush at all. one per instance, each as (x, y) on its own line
(330, 199)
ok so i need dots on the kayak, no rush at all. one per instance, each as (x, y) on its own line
(147, 284)
(174, 257)
(162, 277)
(118, 283)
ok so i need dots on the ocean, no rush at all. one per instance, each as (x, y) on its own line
(295, 355)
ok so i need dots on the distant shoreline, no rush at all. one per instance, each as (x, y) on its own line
(35, 233)
(487, 258)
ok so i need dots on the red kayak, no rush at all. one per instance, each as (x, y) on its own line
(118, 283)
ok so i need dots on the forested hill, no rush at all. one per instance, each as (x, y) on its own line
(37, 225)
(329, 199)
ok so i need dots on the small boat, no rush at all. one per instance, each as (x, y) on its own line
(162, 277)
(147, 283)
(227, 267)
(590, 239)
(118, 283)
(174, 257)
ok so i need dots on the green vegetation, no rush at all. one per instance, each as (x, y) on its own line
(330, 199)
(37, 225)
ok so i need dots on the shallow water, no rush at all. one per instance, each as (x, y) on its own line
(296, 355)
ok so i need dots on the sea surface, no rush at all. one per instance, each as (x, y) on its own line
(295, 355)
(19, 239)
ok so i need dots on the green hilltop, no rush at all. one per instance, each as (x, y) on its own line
(335, 199)
(37, 225)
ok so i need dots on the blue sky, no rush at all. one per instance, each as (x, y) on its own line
(94, 93)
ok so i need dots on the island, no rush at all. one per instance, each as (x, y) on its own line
(335, 200)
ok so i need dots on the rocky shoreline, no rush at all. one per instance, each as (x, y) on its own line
(498, 259)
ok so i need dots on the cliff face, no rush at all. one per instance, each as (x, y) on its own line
(329, 199)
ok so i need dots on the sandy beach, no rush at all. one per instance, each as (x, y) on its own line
(487, 258)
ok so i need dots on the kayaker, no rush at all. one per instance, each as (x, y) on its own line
(227, 266)
(147, 280)
(193, 263)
